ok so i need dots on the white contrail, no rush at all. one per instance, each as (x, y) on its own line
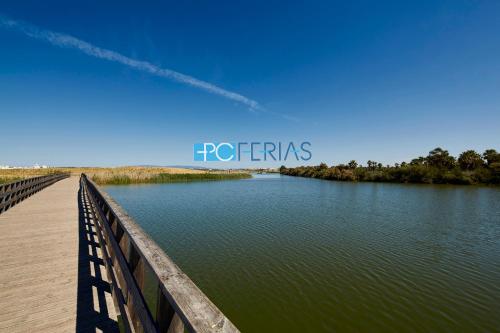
(63, 40)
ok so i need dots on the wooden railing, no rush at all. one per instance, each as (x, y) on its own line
(150, 292)
(15, 192)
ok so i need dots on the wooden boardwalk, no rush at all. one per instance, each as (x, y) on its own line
(52, 276)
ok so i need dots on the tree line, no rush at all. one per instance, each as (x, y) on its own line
(438, 167)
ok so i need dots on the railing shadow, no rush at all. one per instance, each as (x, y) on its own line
(93, 296)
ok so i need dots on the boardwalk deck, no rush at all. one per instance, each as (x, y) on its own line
(52, 277)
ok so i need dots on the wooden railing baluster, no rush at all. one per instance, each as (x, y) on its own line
(129, 253)
(164, 312)
(15, 192)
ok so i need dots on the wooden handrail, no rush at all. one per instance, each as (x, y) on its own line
(14, 192)
(135, 263)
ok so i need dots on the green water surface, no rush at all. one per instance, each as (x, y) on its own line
(285, 254)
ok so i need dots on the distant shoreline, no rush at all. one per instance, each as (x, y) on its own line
(439, 167)
(127, 175)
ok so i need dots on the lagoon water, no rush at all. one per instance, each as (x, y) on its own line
(286, 254)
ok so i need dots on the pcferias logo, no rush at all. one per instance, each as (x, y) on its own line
(252, 151)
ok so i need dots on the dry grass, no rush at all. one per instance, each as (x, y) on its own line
(135, 174)
(123, 175)
(10, 175)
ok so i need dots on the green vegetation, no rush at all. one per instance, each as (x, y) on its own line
(123, 179)
(439, 167)
(4, 180)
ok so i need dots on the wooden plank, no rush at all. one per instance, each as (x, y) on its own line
(53, 251)
(44, 275)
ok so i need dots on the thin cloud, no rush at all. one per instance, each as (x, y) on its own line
(67, 41)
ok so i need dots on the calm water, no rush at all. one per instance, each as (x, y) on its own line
(284, 254)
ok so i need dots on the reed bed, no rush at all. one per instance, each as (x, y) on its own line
(123, 179)
(126, 175)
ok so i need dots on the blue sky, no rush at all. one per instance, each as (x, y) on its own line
(385, 81)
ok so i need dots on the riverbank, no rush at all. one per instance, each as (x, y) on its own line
(124, 179)
(439, 167)
(406, 174)
(126, 175)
